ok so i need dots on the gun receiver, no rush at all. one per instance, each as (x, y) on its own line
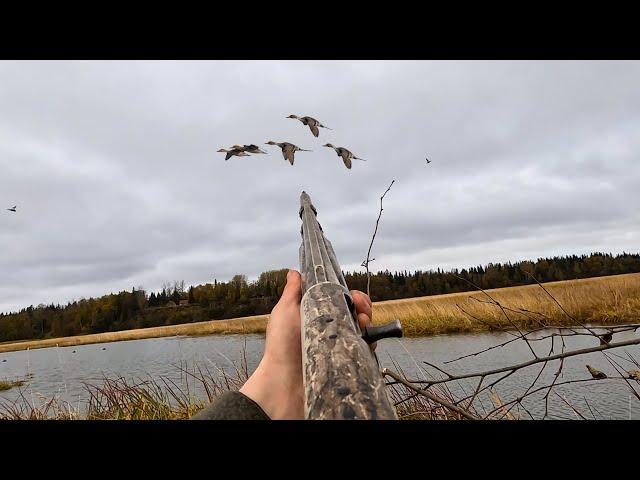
(342, 379)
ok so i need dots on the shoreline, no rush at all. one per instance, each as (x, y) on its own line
(610, 300)
(243, 325)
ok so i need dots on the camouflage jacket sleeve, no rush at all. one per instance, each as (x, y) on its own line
(232, 406)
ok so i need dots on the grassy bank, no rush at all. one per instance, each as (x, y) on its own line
(163, 398)
(600, 300)
(256, 324)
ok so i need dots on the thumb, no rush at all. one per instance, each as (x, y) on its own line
(292, 290)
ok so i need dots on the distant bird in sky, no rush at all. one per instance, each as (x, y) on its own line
(428, 161)
(13, 209)
(248, 148)
(597, 374)
(346, 155)
(311, 122)
(606, 338)
(232, 152)
(288, 149)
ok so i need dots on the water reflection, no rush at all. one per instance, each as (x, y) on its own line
(63, 371)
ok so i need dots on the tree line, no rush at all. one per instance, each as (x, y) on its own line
(175, 304)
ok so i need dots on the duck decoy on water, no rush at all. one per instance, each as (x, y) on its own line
(233, 152)
(346, 155)
(606, 338)
(634, 374)
(248, 148)
(311, 122)
(597, 374)
(288, 149)
(13, 209)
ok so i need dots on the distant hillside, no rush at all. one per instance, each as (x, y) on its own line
(238, 297)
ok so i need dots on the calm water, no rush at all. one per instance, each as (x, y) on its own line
(62, 373)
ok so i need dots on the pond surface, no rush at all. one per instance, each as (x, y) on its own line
(62, 372)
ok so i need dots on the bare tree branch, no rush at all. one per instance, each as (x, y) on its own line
(429, 395)
(368, 260)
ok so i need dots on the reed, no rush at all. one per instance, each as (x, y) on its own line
(600, 300)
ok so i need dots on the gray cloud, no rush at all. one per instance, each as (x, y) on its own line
(114, 169)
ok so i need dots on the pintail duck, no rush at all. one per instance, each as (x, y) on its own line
(311, 122)
(346, 155)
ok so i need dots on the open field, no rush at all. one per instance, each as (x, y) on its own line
(599, 300)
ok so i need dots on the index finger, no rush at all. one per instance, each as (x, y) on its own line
(362, 302)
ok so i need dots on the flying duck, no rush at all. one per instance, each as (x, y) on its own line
(346, 155)
(248, 148)
(288, 149)
(233, 152)
(311, 122)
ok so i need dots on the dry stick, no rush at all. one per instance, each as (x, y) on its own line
(519, 399)
(535, 355)
(528, 363)
(366, 262)
(490, 325)
(589, 407)
(525, 409)
(613, 364)
(630, 359)
(519, 311)
(535, 380)
(559, 305)
(617, 329)
(502, 378)
(555, 379)
(478, 390)
(429, 395)
(575, 410)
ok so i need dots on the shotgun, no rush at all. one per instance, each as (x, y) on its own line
(341, 373)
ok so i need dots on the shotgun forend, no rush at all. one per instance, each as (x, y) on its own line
(342, 378)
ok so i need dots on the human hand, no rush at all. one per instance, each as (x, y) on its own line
(276, 384)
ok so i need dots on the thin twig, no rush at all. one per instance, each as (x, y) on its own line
(366, 262)
(518, 366)
(429, 395)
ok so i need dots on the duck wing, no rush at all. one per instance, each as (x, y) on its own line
(346, 158)
(287, 152)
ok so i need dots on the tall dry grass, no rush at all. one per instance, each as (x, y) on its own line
(600, 300)
(120, 398)
(162, 398)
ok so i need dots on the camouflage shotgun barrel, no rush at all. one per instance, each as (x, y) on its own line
(342, 378)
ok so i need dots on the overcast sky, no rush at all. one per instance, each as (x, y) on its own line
(114, 170)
